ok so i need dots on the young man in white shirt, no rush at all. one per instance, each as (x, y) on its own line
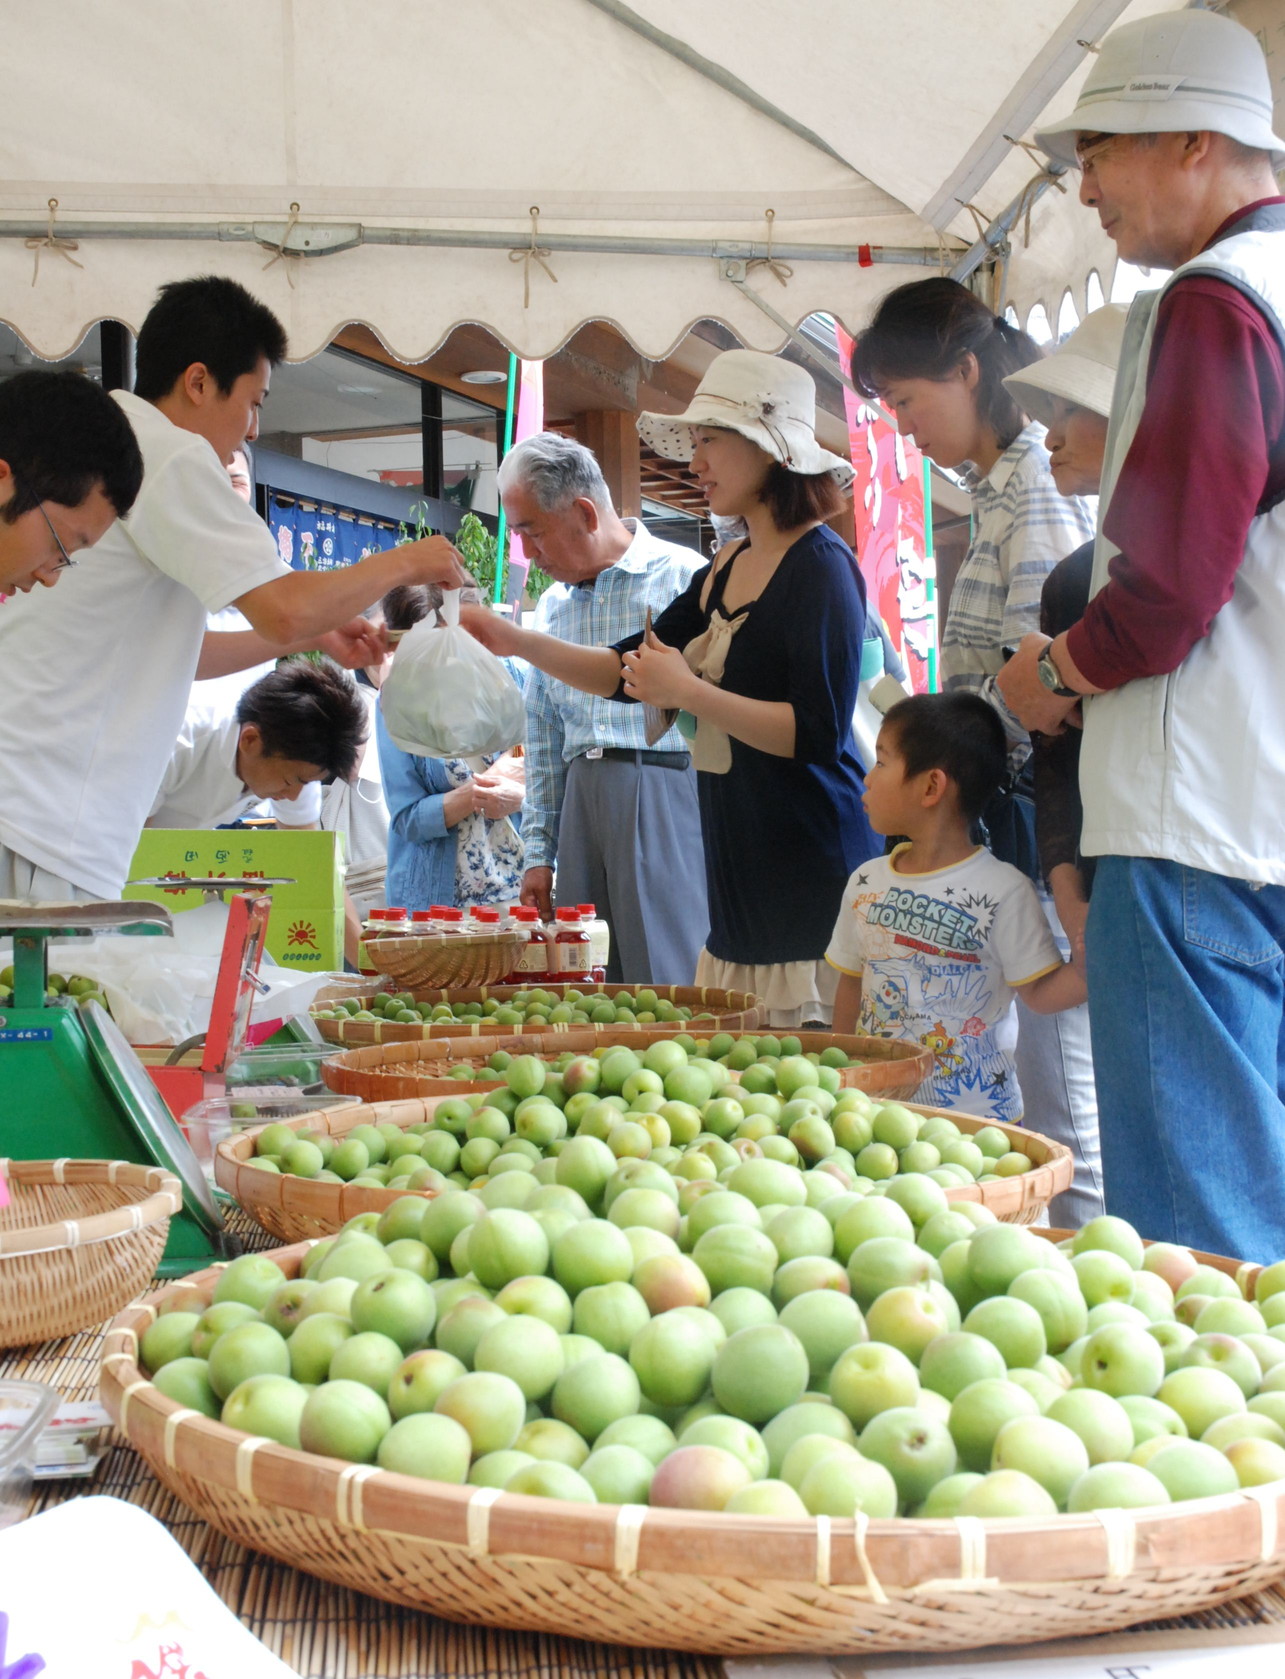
(69, 467)
(301, 724)
(97, 674)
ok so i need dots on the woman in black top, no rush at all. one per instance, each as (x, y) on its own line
(763, 654)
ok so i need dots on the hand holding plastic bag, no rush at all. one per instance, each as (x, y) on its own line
(446, 696)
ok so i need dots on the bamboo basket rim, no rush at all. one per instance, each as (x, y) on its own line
(322, 1201)
(736, 1012)
(464, 1047)
(164, 1200)
(905, 1555)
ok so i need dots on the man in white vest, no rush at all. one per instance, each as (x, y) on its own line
(1182, 648)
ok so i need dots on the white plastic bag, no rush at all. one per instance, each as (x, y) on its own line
(446, 696)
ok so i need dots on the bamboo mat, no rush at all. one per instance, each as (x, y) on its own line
(328, 1632)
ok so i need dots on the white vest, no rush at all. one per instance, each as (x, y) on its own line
(1191, 766)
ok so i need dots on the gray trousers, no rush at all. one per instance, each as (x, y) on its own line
(629, 842)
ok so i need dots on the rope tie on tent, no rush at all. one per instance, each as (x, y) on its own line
(280, 252)
(51, 242)
(534, 252)
(780, 271)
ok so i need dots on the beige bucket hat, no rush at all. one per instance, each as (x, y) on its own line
(770, 401)
(1177, 71)
(1081, 370)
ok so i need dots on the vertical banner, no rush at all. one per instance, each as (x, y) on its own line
(892, 526)
(529, 420)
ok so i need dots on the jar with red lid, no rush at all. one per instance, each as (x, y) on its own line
(534, 965)
(572, 948)
(599, 941)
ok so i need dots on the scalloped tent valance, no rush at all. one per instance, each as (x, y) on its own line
(681, 154)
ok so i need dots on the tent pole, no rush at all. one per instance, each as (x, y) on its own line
(502, 529)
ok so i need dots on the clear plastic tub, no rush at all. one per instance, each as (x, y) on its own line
(25, 1409)
(288, 1067)
(209, 1122)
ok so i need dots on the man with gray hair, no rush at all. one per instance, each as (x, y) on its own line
(1178, 657)
(619, 819)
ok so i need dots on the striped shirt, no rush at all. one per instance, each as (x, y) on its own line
(563, 723)
(1022, 527)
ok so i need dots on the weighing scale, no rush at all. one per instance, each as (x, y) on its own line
(71, 1086)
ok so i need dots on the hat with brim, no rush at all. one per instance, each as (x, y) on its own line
(770, 401)
(1177, 72)
(1081, 371)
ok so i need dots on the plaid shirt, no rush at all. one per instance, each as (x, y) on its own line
(1022, 527)
(563, 723)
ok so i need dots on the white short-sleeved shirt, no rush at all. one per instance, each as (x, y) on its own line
(96, 673)
(938, 956)
(201, 789)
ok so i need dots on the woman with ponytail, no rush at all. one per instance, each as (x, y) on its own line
(937, 358)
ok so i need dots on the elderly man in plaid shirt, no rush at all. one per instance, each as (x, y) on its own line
(618, 818)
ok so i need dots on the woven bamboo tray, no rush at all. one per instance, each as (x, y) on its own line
(383, 1072)
(734, 1585)
(474, 959)
(297, 1209)
(732, 1011)
(78, 1239)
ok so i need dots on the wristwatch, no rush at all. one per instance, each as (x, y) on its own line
(1051, 677)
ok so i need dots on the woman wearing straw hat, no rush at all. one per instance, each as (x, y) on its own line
(938, 358)
(1069, 392)
(763, 655)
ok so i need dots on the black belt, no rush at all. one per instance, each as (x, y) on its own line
(628, 755)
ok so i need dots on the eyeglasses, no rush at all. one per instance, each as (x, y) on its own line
(65, 560)
(1091, 148)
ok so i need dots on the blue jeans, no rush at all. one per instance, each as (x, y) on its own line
(1187, 1000)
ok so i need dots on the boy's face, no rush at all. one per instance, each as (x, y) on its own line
(893, 800)
(268, 777)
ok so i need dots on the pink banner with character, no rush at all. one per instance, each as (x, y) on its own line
(891, 531)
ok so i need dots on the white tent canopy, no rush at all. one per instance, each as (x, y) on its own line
(417, 136)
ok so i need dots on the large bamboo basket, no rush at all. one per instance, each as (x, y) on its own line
(728, 1011)
(297, 1209)
(382, 1072)
(78, 1239)
(470, 959)
(732, 1585)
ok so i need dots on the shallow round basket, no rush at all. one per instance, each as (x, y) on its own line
(296, 1209)
(729, 1585)
(421, 1067)
(727, 1011)
(473, 959)
(78, 1239)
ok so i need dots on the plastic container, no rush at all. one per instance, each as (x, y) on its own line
(572, 947)
(380, 924)
(599, 941)
(25, 1410)
(209, 1122)
(447, 920)
(534, 963)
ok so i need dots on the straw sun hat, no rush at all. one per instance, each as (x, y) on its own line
(1175, 72)
(1080, 371)
(770, 401)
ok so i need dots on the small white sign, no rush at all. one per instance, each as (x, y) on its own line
(98, 1589)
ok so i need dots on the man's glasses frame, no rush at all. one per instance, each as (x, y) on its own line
(65, 561)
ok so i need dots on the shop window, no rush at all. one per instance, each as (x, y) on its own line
(350, 415)
(1037, 325)
(15, 357)
(1094, 297)
(469, 433)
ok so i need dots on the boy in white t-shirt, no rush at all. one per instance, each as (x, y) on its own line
(935, 941)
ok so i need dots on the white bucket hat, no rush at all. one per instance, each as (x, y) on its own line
(1082, 370)
(1173, 73)
(770, 401)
